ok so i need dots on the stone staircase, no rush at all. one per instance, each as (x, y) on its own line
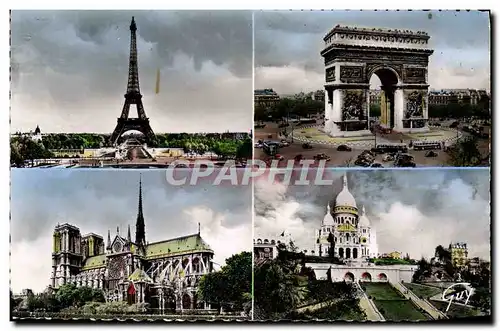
(371, 311)
(435, 313)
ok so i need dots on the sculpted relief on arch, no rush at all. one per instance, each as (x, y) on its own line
(415, 105)
(352, 74)
(330, 74)
(353, 105)
(415, 75)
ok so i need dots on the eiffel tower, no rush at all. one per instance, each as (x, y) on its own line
(133, 97)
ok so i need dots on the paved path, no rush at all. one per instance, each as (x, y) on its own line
(424, 304)
(372, 314)
(370, 142)
(314, 306)
(371, 311)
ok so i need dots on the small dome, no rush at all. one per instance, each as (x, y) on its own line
(328, 219)
(363, 219)
(345, 197)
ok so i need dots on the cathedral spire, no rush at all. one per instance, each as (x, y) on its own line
(129, 238)
(118, 230)
(199, 229)
(363, 210)
(140, 231)
(345, 181)
(109, 239)
(328, 210)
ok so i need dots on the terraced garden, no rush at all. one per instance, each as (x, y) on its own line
(456, 311)
(423, 291)
(391, 304)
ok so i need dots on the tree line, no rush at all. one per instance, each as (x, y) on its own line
(229, 289)
(285, 289)
(446, 270)
(303, 106)
(23, 148)
(300, 105)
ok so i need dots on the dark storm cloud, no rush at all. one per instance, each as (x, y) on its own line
(292, 34)
(431, 207)
(98, 201)
(77, 61)
(288, 45)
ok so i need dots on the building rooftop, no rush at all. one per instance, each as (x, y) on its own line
(265, 92)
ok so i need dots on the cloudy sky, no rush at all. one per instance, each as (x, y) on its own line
(97, 201)
(412, 211)
(288, 45)
(70, 69)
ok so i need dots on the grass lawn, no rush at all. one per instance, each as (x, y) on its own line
(381, 291)
(340, 311)
(422, 290)
(391, 304)
(456, 311)
(399, 310)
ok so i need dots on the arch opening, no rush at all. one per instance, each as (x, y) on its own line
(366, 277)
(349, 277)
(382, 97)
(186, 301)
(382, 277)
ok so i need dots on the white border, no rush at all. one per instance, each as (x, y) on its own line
(186, 4)
(253, 149)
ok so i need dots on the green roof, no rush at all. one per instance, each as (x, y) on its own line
(94, 262)
(177, 246)
(139, 275)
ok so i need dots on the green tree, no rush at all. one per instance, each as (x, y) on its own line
(277, 290)
(260, 113)
(12, 301)
(212, 288)
(245, 149)
(375, 110)
(423, 271)
(15, 156)
(69, 295)
(443, 254)
(232, 285)
(465, 153)
(331, 249)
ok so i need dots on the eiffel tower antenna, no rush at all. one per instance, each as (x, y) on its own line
(133, 97)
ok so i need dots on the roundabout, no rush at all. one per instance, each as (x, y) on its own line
(315, 135)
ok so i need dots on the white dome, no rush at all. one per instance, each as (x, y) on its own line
(345, 197)
(363, 219)
(328, 219)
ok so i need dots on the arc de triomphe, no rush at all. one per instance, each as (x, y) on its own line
(398, 57)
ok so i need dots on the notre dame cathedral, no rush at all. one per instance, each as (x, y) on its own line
(164, 274)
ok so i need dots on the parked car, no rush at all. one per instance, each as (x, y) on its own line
(307, 146)
(376, 165)
(404, 160)
(257, 145)
(388, 158)
(431, 154)
(362, 163)
(322, 156)
(344, 148)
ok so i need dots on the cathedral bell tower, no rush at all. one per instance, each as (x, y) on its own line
(66, 254)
